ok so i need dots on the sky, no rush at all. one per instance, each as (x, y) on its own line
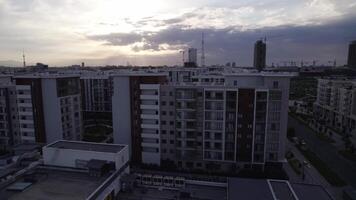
(154, 32)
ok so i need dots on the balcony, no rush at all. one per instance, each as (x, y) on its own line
(148, 116)
(149, 97)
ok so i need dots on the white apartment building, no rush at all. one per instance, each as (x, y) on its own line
(49, 107)
(335, 106)
(216, 122)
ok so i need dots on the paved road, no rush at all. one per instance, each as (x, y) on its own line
(327, 152)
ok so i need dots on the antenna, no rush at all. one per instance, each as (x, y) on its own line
(23, 58)
(202, 50)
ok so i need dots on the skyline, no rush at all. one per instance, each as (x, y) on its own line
(153, 33)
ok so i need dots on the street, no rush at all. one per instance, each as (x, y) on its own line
(326, 152)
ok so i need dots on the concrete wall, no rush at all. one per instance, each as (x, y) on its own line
(121, 112)
(51, 110)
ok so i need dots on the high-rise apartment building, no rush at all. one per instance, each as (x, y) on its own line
(259, 60)
(351, 59)
(193, 55)
(215, 123)
(49, 107)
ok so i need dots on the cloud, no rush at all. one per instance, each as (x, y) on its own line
(60, 31)
(309, 42)
(118, 39)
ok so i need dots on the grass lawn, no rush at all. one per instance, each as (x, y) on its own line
(295, 164)
(325, 138)
(96, 133)
(348, 155)
(321, 136)
(325, 171)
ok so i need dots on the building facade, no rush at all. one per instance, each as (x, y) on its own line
(335, 106)
(351, 59)
(49, 108)
(96, 90)
(259, 60)
(9, 122)
(235, 120)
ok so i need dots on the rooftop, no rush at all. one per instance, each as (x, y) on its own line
(46, 76)
(191, 192)
(45, 183)
(245, 189)
(87, 146)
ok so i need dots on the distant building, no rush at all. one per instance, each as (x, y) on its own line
(49, 107)
(192, 55)
(96, 90)
(351, 59)
(259, 61)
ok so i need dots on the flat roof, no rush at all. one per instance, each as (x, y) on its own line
(246, 189)
(53, 184)
(87, 146)
(46, 76)
(196, 192)
(310, 192)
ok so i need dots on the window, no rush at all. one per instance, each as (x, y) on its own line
(171, 103)
(171, 141)
(164, 141)
(275, 84)
(163, 103)
(171, 132)
(171, 123)
(163, 122)
(164, 132)
(164, 112)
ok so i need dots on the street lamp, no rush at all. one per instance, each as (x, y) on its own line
(305, 163)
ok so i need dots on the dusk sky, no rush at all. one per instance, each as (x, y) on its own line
(152, 32)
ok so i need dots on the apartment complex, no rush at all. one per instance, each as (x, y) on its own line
(335, 106)
(210, 122)
(49, 107)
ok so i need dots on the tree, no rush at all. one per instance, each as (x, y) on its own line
(290, 132)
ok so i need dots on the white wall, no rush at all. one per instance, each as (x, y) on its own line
(51, 111)
(67, 157)
(121, 111)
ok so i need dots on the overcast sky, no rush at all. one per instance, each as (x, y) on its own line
(152, 32)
